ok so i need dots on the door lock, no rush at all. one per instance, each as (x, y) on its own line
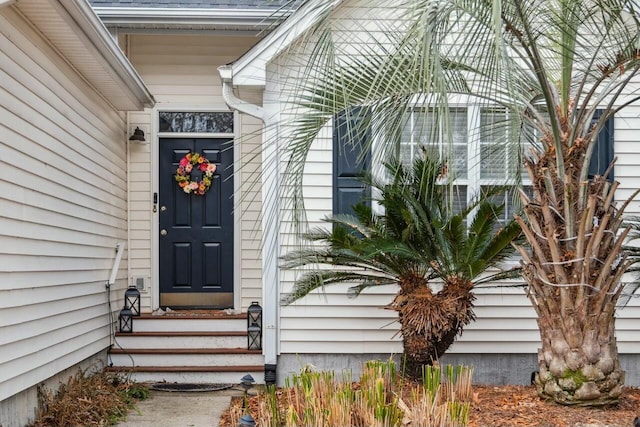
(163, 208)
(163, 232)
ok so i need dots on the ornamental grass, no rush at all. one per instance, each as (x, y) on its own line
(382, 398)
(89, 400)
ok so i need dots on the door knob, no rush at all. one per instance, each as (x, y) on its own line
(163, 232)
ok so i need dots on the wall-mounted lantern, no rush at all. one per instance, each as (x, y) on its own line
(137, 136)
(132, 300)
(125, 319)
(254, 326)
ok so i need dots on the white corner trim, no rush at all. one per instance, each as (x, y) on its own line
(270, 218)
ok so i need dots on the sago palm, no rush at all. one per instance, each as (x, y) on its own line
(418, 243)
(549, 66)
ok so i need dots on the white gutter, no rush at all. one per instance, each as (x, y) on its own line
(95, 30)
(186, 17)
(270, 218)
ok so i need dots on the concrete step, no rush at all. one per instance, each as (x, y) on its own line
(226, 323)
(192, 374)
(185, 357)
(182, 339)
(187, 348)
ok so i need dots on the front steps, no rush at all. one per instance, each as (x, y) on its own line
(184, 348)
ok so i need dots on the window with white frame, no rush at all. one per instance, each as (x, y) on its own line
(477, 145)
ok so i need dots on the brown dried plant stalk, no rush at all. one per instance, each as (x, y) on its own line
(380, 399)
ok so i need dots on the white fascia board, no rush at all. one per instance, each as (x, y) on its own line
(187, 17)
(102, 40)
(250, 69)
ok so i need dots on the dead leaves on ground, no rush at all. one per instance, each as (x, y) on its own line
(520, 406)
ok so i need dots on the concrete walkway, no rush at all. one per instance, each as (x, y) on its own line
(180, 409)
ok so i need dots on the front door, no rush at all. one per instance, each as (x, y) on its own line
(196, 231)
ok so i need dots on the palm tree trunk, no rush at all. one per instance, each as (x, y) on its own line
(583, 372)
(574, 283)
(430, 322)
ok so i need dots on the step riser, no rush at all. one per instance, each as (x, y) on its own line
(177, 362)
(133, 341)
(187, 359)
(195, 377)
(191, 325)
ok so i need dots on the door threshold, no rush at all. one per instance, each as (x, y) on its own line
(196, 300)
(197, 313)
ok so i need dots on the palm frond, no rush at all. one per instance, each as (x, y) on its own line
(319, 279)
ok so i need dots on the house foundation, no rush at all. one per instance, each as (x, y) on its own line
(492, 369)
(21, 408)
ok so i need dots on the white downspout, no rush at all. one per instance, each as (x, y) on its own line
(270, 219)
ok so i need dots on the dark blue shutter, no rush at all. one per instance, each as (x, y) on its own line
(603, 151)
(351, 135)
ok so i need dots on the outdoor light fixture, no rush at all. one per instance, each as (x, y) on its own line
(254, 326)
(126, 320)
(132, 300)
(247, 382)
(137, 136)
(247, 421)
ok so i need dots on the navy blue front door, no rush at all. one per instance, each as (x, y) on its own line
(196, 231)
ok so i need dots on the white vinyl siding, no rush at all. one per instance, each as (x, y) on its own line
(181, 73)
(330, 323)
(627, 172)
(63, 208)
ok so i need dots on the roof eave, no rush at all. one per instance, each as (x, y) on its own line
(93, 28)
(250, 69)
(255, 19)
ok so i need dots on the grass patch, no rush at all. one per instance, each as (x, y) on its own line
(95, 400)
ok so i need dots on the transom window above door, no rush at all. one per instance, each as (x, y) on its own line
(196, 121)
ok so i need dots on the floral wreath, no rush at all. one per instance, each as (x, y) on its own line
(183, 174)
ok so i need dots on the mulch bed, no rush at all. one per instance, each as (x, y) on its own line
(520, 406)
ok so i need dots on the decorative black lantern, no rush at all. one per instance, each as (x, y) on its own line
(132, 300)
(254, 335)
(126, 320)
(254, 314)
(254, 326)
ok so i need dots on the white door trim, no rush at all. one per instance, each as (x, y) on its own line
(155, 187)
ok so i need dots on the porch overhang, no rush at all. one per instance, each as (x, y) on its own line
(77, 33)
